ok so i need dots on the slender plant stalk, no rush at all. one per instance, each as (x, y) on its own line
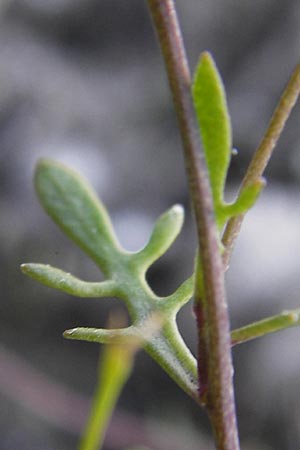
(286, 319)
(114, 370)
(262, 155)
(210, 304)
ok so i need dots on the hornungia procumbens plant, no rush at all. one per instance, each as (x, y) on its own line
(201, 109)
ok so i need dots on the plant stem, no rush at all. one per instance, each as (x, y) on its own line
(262, 155)
(286, 319)
(114, 370)
(211, 309)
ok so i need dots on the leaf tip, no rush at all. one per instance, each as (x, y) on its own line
(206, 56)
(69, 334)
(43, 163)
(207, 61)
(26, 268)
(23, 268)
(178, 211)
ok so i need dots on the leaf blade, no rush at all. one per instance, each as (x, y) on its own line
(75, 208)
(214, 123)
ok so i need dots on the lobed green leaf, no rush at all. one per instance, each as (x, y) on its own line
(75, 208)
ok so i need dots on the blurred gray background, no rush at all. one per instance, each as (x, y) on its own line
(83, 82)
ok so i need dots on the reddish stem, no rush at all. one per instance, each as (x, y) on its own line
(215, 364)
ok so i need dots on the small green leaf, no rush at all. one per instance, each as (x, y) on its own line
(74, 206)
(215, 129)
(214, 122)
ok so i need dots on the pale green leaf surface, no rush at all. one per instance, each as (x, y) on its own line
(102, 335)
(214, 122)
(215, 129)
(74, 206)
(63, 281)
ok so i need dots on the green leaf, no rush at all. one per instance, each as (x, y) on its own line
(214, 122)
(215, 129)
(74, 206)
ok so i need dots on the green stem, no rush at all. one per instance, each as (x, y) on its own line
(114, 370)
(286, 319)
(262, 155)
(214, 336)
